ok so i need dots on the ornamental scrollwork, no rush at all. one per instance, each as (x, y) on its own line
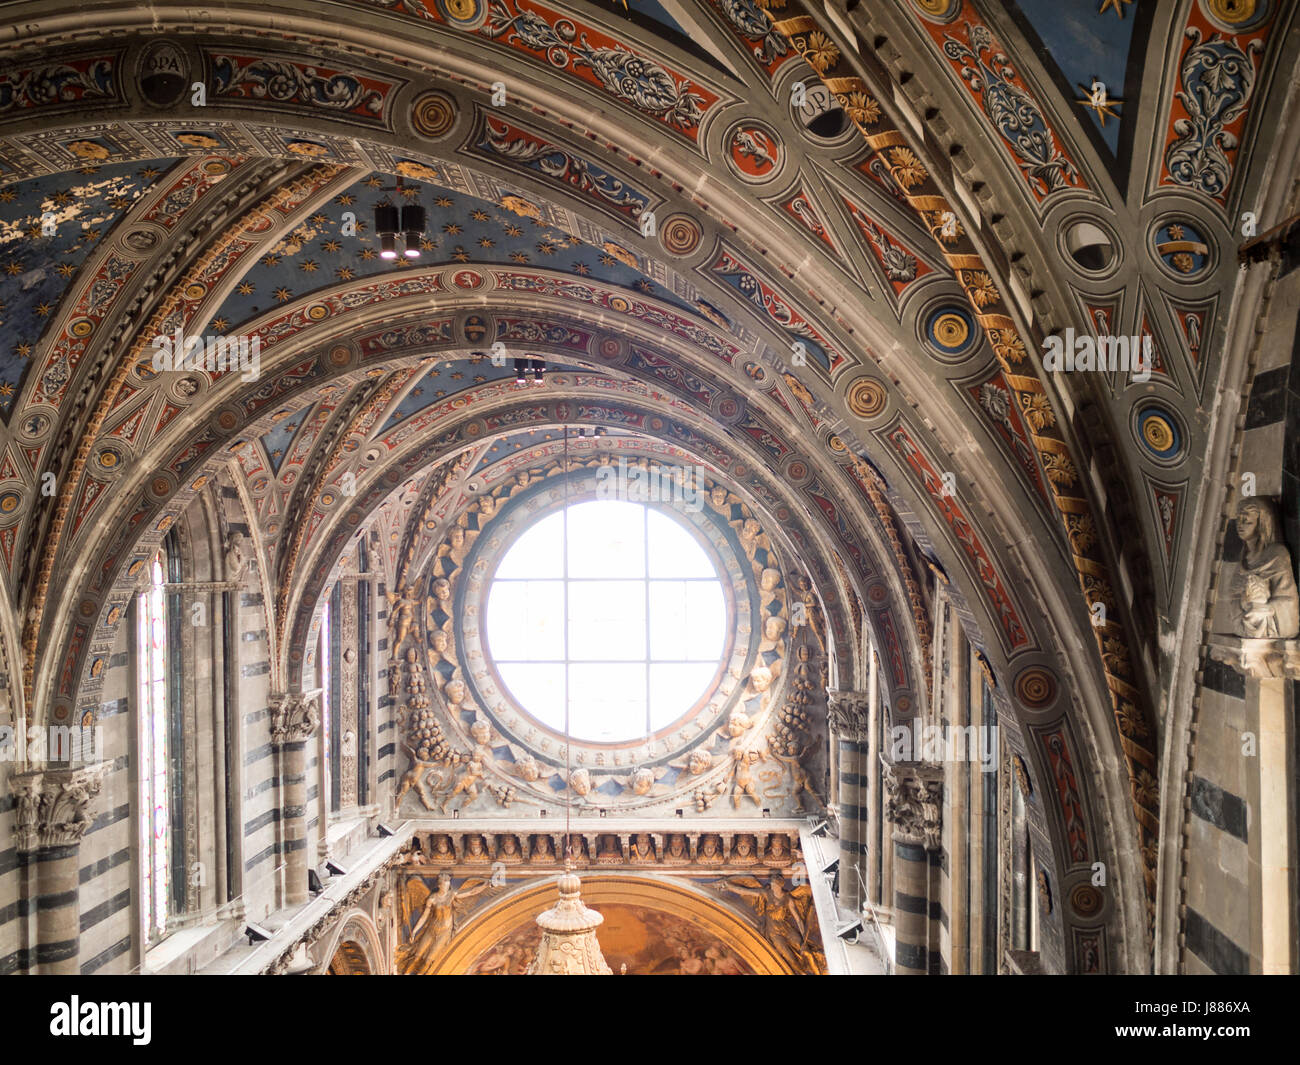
(58, 84)
(286, 82)
(1217, 78)
(630, 77)
(988, 71)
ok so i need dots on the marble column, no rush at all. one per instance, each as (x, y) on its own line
(53, 809)
(294, 719)
(849, 714)
(914, 806)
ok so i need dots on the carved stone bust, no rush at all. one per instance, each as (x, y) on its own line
(1264, 602)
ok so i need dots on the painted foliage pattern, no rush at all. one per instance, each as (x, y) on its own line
(1216, 84)
(1131, 716)
(986, 69)
(1217, 75)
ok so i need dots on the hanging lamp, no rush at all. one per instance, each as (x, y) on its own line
(569, 946)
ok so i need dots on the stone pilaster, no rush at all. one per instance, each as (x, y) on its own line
(53, 809)
(294, 719)
(349, 741)
(1270, 669)
(914, 806)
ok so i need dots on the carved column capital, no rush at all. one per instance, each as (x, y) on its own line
(849, 714)
(294, 716)
(914, 801)
(53, 806)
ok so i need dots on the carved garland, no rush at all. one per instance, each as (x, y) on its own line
(460, 771)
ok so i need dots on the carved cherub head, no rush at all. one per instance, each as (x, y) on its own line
(580, 781)
(699, 761)
(442, 589)
(641, 780)
(480, 730)
(738, 723)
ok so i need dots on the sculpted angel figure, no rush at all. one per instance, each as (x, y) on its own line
(432, 932)
(805, 611)
(1263, 592)
(402, 617)
(742, 779)
(800, 783)
(468, 781)
(782, 916)
(416, 777)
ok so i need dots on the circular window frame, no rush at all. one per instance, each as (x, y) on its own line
(489, 693)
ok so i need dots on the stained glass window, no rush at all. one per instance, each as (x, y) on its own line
(155, 821)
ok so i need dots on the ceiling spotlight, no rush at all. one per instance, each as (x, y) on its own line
(538, 372)
(387, 221)
(521, 372)
(412, 228)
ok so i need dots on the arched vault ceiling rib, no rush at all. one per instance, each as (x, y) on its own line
(742, 276)
(1133, 715)
(281, 200)
(643, 426)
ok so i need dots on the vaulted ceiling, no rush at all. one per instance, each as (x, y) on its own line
(816, 251)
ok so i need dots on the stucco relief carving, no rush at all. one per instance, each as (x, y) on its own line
(294, 716)
(53, 807)
(914, 801)
(758, 755)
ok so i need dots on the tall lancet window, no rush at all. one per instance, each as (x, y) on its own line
(326, 705)
(155, 798)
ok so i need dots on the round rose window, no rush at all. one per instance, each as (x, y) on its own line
(606, 620)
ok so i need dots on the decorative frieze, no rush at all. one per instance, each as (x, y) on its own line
(775, 849)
